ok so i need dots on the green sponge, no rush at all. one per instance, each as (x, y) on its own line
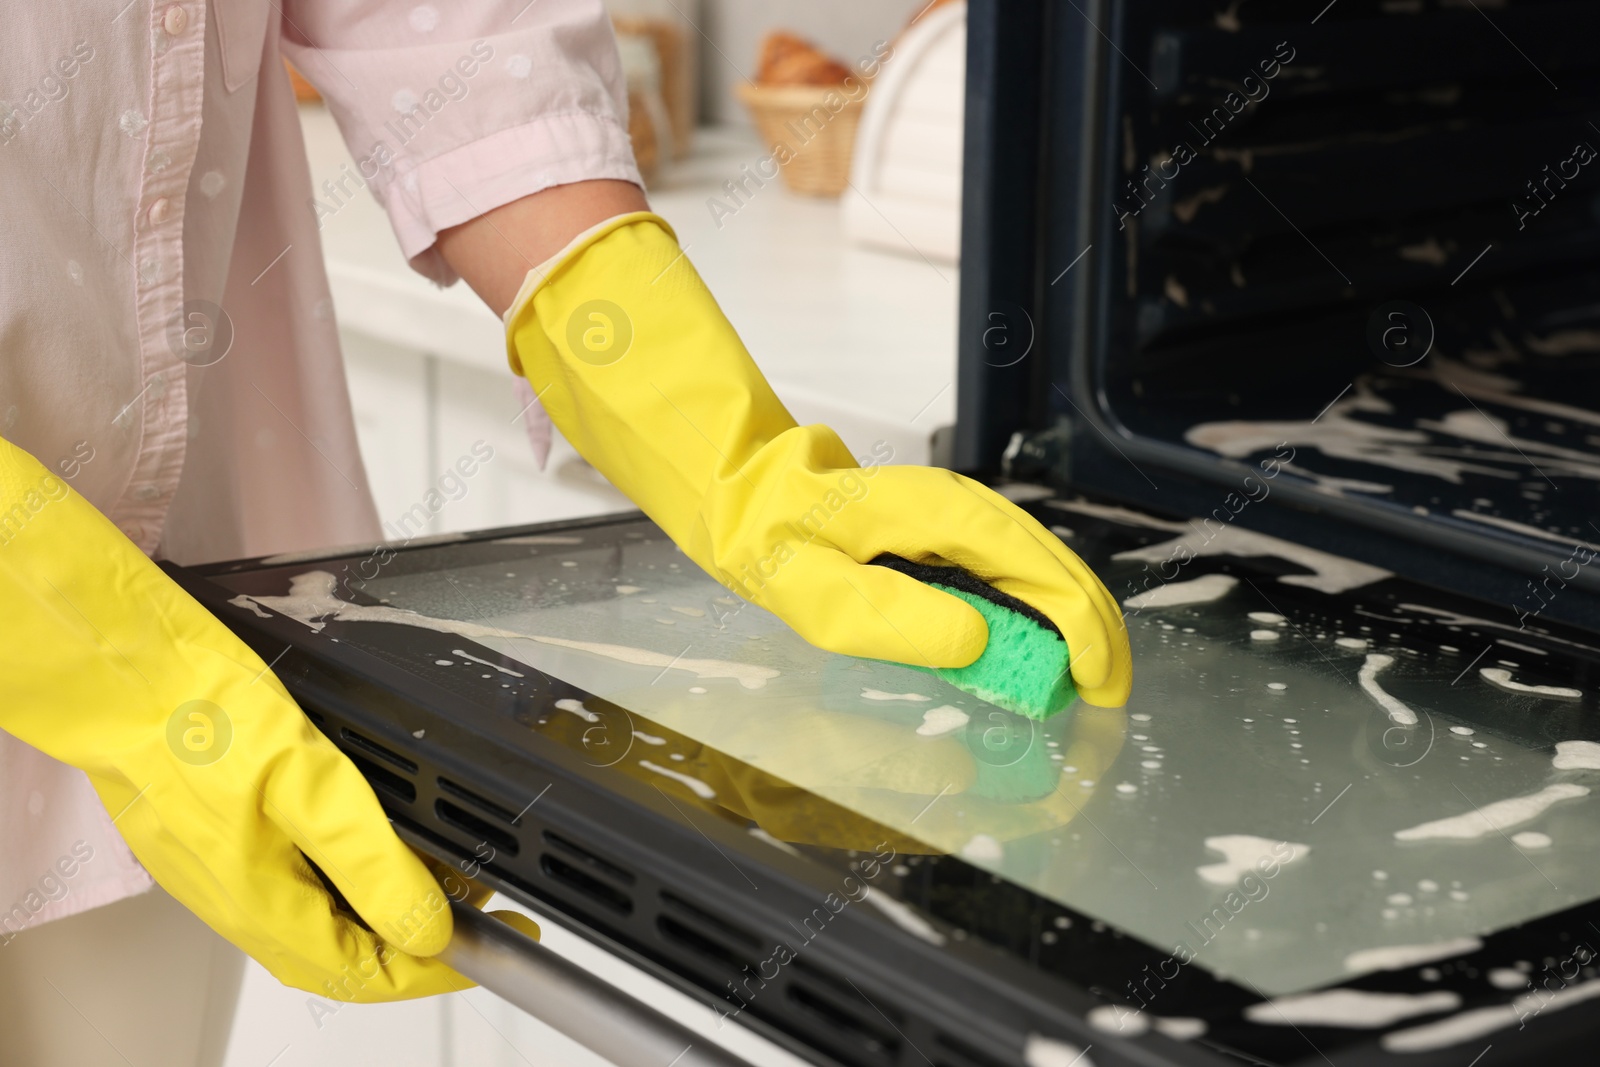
(1023, 668)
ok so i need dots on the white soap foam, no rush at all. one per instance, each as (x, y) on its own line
(1576, 756)
(1127, 788)
(311, 602)
(1024, 493)
(1181, 1027)
(1263, 635)
(1331, 574)
(649, 739)
(1368, 677)
(905, 917)
(1353, 643)
(246, 602)
(629, 590)
(1353, 1009)
(1271, 618)
(1242, 852)
(577, 708)
(1531, 839)
(1399, 957)
(1277, 687)
(1493, 818)
(1464, 731)
(879, 694)
(1499, 676)
(1116, 1019)
(1474, 1024)
(1507, 978)
(1201, 590)
(486, 663)
(1456, 618)
(699, 788)
(944, 719)
(748, 675)
(761, 835)
(983, 849)
(1338, 434)
(1041, 1051)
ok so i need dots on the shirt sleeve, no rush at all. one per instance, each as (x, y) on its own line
(455, 107)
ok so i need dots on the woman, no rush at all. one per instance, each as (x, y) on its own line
(170, 387)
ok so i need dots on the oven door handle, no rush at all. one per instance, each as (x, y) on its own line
(594, 1013)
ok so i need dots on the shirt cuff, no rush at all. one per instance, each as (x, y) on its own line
(466, 182)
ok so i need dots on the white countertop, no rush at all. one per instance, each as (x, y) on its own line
(860, 339)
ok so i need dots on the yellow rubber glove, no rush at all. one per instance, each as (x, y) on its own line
(641, 371)
(215, 778)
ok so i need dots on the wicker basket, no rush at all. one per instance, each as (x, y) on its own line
(818, 139)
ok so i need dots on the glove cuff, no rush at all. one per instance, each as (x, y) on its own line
(545, 272)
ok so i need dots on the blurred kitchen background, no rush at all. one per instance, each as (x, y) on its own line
(840, 273)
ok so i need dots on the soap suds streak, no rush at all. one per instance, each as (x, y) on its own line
(577, 708)
(1399, 957)
(1353, 1009)
(699, 788)
(746, 674)
(1456, 618)
(1337, 434)
(1493, 818)
(246, 602)
(944, 719)
(1181, 1027)
(1576, 756)
(486, 663)
(1117, 1019)
(1507, 978)
(1525, 530)
(783, 846)
(1201, 590)
(879, 694)
(1330, 573)
(1368, 677)
(1481, 1021)
(1242, 852)
(1500, 677)
(311, 602)
(903, 916)
(983, 849)
(1041, 1051)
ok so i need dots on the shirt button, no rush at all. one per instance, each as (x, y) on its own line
(174, 20)
(160, 208)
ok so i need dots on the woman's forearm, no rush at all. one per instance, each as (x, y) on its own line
(495, 251)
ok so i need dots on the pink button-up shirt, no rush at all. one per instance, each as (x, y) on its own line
(167, 342)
